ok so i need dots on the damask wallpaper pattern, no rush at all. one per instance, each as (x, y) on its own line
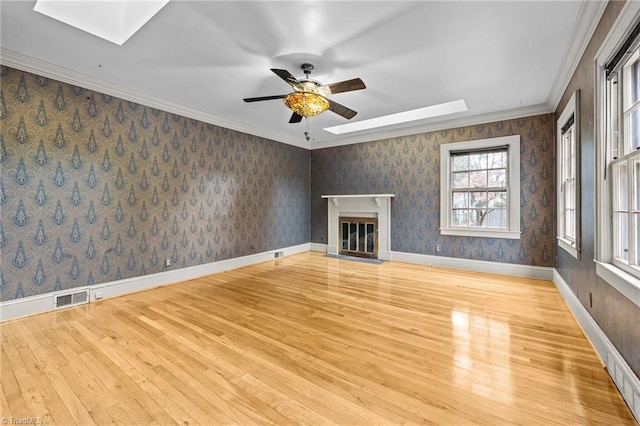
(95, 189)
(409, 167)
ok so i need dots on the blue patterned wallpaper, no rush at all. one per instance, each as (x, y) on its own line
(409, 167)
(95, 189)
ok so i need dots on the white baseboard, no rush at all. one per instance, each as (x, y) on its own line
(46, 302)
(384, 255)
(318, 247)
(450, 262)
(528, 271)
(31, 305)
(627, 382)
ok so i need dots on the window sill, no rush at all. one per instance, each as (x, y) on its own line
(568, 247)
(625, 283)
(483, 233)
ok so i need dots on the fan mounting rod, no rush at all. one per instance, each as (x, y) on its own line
(307, 68)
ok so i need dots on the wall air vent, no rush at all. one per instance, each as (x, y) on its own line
(70, 299)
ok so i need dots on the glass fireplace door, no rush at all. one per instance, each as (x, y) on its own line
(358, 237)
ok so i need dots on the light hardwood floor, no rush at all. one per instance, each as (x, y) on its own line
(312, 340)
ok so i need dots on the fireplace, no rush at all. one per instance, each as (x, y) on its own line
(359, 225)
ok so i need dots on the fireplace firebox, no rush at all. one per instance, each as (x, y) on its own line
(358, 236)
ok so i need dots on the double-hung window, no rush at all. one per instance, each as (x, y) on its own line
(480, 188)
(624, 162)
(618, 155)
(568, 182)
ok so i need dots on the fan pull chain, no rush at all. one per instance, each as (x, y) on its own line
(306, 129)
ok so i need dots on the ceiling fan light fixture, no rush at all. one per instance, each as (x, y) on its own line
(306, 104)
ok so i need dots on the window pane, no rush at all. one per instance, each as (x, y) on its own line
(621, 246)
(460, 217)
(497, 160)
(460, 200)
(361, 236)
(460, 163)
(636, 183)
(345, 235)
(478, 217)
(497, 218)
(478, 198)
(497, 212)
(478, 179)
(569, 188)
(620, 190)
(613, 115)
(634, 131)
(566, 158)
(569, 225)
(497, 199)
(461, 180)
(477, 161)
(370, 237)
(569, 153)
(573, 161)
(634, 77)
(636, 239)
(498, 178)
(353, 236)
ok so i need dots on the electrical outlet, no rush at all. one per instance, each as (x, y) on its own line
(167, 262)
(437, 249)
(98, 295)
(251, 247)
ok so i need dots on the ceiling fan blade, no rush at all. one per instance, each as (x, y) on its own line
(264, 98)
(341, 110)
(346, 86)
(286, 76)
(295, 118)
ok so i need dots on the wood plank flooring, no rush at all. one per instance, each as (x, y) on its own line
(308, 339)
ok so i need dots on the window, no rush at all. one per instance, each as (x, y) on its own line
(617, 244)
(480, 188)
(623, 89)
(568, 182)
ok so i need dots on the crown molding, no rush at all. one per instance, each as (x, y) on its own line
(586, 23)
(46, 69)
(53, 71)
(441, 125)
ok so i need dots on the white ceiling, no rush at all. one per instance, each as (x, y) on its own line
(201, 58)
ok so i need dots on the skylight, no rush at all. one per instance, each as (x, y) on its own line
(112, 20)
(401, 117)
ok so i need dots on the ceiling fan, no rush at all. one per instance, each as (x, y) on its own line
(309, 97)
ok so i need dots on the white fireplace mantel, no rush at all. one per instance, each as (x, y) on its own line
(374, 205)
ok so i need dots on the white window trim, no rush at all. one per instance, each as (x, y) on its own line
(570, 110)
(513, 188)
(625, 283)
